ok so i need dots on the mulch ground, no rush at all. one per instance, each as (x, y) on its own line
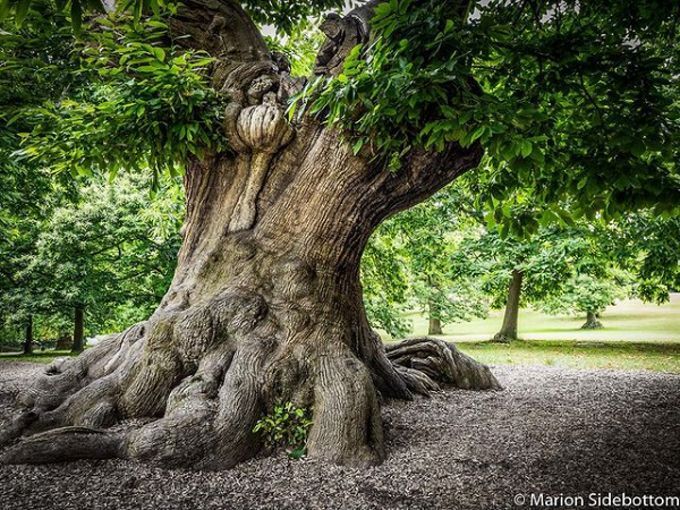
(552, 431)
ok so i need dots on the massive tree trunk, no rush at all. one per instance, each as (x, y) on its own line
(508, 330)
(592, 321)
(28, 338)
(78, 328)
(266, 304)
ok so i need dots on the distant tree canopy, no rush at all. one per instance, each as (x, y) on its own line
(415, 261)
(110, 254)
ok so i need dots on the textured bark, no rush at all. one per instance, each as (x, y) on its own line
(28, 338)
(508, 330)
(592, 321)
(266, 304)
(78, 329)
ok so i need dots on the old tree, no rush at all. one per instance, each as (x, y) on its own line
(266, 303)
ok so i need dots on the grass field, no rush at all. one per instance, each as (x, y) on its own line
(636, 336)
(657, 357)
(628, 321)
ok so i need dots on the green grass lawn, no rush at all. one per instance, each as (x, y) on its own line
(636, 336)
(628, 321)
(657, 357)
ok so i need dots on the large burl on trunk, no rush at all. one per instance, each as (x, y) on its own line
(266, 303)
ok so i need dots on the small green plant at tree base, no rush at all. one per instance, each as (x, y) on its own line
(287, 426)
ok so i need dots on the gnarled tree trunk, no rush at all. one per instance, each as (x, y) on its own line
(266, 304)
(508, 330)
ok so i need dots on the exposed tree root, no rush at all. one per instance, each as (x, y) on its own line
(64, 444)
(426, 362)
(204, 418)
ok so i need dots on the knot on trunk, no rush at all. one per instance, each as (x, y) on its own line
(256, 126)
(264, 128)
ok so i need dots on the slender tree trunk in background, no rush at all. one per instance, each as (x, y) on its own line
(28, 339)
(78, 328)
(592, 321)
(508, 330)
(435, 325)
(266, 303)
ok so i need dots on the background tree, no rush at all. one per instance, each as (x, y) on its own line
(103, 253)
(415, 265)
(587, 296)
(265, 304)
(518, 271)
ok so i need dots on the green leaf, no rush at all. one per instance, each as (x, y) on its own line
(21, 11)
(526, 148)
(159, 53)
(356, 148)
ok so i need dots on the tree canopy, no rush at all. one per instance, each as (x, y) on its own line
(573, 101)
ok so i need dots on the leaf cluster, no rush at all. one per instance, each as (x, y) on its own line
(287, 426)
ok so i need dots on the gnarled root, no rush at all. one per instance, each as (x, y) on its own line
(426, 362)
(200, 379)
(65, 443)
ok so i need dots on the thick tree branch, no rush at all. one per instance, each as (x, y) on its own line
(343, 34)
(220, 27)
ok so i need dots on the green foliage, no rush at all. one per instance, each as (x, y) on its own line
(142, 105)
(111, 252)
(573, 101)
(583, 294)
(299, 46)
(649, 247)
(284, 14)
(286, 427)
(412, 262)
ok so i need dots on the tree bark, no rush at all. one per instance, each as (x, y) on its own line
(592, 321)
(266, 303)
(435, 323)
(508, 330)
(78, 328)
(28, 339)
